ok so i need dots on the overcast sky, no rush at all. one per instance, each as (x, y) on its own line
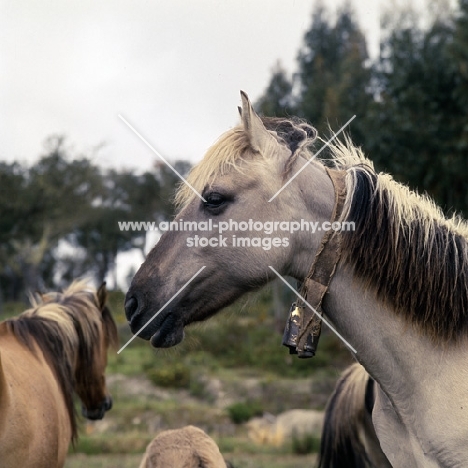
(173, 68)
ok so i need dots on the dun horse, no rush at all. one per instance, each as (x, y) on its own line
(50, 352)
(187, 447)
(398, 296)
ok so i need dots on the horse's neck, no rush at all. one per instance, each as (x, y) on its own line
(427, 385)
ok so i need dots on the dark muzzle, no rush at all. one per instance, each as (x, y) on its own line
(97, 413)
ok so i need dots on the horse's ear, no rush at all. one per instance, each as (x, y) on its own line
(102, 295)
(38, 295)
(258, 135)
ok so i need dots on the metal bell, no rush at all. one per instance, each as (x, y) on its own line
(293, 329)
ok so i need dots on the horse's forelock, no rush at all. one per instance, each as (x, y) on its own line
(75, 308)
(294, 133)
(226, 154)
(234, 147)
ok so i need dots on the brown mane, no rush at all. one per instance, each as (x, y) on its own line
(66, 327)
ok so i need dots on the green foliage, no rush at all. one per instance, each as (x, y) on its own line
(415, 126)
(242, 411)
(197, 389)
(243, 342)
(12, 309)
(459, 49)
(39, 206)
(304, 443)
(134, 360)
(115, 301)
(175, 375)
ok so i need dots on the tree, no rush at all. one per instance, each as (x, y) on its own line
(334, 75)
(415, 125)
(40, 205)
(13, 225)
(124, 196)
(277, 100)
(460, 54)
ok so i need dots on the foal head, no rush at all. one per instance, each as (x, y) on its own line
(237, 179)
(97, 332)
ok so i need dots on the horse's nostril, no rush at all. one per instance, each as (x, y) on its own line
(131, 306)
(108, 403)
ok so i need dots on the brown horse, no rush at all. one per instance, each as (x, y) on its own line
(50, 352)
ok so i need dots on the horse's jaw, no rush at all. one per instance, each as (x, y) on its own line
(159, 308)
(173, 338)
(163, 328)
(170, 333)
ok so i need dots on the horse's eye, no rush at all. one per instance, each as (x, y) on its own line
(215, 202)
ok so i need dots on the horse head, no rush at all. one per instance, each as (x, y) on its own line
(95, 338)
(192, 274)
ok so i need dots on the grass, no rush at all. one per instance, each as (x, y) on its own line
(271, 461)
(238, 460)
(11, 309)
(112, 444)
(243, 411)
(230, 340)
(103, 461)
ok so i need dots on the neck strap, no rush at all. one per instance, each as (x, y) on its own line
(304, 326)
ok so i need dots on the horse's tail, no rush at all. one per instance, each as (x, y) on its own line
(348, 436)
